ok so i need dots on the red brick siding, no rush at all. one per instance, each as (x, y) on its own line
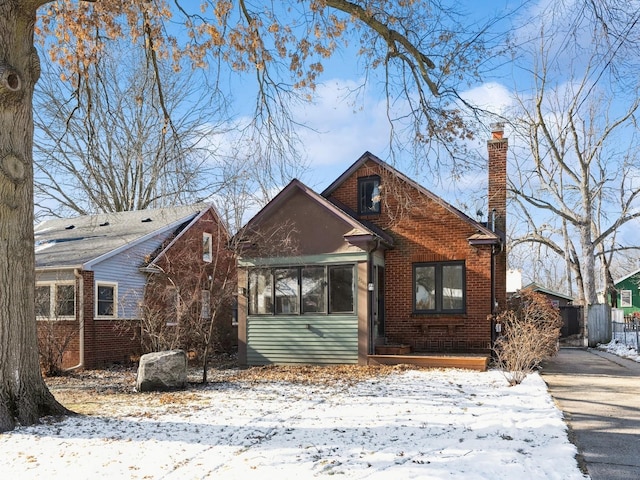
(427, 231)
(497, 149)
(106, 341)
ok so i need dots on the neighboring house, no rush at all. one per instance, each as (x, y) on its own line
(628, 293)
(92, 272)
(555, 298)
(374, 261)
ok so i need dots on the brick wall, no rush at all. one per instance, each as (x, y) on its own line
(424, 230)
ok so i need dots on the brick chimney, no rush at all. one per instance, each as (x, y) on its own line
(497, 150)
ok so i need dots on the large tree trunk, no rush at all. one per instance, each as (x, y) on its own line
(24, 397)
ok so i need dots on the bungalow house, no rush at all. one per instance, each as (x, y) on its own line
(376, 264)
(93, 272)
(628, 293)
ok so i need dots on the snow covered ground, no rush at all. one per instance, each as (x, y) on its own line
(621, 350)
(411, 424)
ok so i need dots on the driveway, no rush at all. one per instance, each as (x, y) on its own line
(599, 394)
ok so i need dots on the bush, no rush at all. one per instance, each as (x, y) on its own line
(530, 332)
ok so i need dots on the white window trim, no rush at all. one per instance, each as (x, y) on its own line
(52, 300)
(207, 256)
(623, 293)
(115, 299)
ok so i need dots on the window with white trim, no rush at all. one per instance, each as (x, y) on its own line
(106, 299)
(55, 301)
(207, 247)
(626, 298)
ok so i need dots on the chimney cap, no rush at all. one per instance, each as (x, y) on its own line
(497, 130)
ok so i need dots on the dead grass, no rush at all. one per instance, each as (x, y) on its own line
(96, 392)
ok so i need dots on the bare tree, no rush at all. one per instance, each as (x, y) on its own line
(421, 47)
(575, 182)
(102, 144)
(188, 300)
(529, 334)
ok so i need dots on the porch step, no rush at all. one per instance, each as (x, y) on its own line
(468, 362)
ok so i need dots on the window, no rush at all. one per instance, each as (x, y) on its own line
(65, 301)
(439, 287)
(106, 300)
(55, 300)
(207, 247)
(43, 301)
(286, 282)
(341, 289)
(313, 290)
(302, 290)
(369, 195)
(261, 292)
(625, 298)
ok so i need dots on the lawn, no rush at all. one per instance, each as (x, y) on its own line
(299, 423)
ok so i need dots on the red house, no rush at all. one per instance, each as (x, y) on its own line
(374, 267)
(98, 276)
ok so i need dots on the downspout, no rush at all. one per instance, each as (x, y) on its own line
(370, 291)
(80, 315)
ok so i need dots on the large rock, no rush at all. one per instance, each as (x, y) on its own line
(162, 371)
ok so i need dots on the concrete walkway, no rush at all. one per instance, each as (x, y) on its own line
(599, 394)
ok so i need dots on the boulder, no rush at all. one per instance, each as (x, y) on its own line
(162, 371)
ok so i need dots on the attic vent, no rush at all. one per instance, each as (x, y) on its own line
(104, 224)
(146, 220)
(70, 227)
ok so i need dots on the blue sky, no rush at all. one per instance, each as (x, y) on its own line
(341, 130)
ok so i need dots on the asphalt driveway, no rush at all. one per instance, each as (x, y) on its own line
(599, 394)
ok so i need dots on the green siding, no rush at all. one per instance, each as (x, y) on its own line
(326, 339)
(630, 283)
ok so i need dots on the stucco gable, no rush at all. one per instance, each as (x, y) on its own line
(313, 222)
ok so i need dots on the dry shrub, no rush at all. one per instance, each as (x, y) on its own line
(530, 332)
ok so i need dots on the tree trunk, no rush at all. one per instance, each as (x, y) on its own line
(24, 397)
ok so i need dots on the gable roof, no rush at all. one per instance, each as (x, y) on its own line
(484, 234)
(615, 282)
(158, 255)
(536, 287)
(359, 229)
(83, 241)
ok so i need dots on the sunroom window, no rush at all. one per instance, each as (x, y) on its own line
(302, 290)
